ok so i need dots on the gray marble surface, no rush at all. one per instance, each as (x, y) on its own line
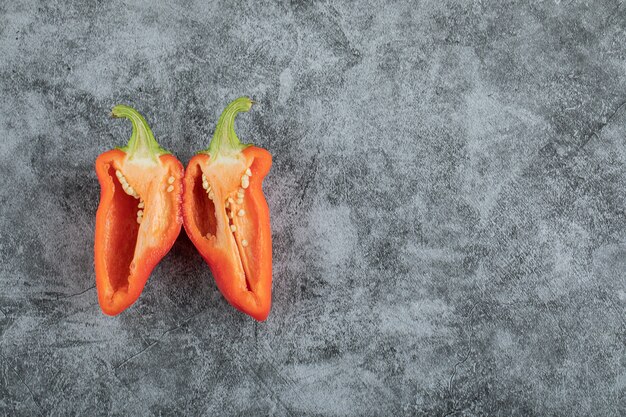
(447, 202)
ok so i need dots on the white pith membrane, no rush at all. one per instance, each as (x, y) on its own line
(138, 223)
(226, 210)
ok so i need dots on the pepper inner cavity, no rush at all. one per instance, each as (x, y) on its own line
(123, 232)
(204, 213)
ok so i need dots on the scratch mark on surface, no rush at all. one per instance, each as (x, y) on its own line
(131, 393)
(456, 365)
(137, 354)
(156, 342)
(30, 392)
(597, 132)
(261, 384)
(21, 380)
(77, 294)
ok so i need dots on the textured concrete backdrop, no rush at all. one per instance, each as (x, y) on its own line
(447, 198)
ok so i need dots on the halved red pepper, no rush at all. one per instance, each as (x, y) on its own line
(139, 216)
(226, 215)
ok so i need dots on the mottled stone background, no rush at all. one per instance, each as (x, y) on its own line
(447, 199)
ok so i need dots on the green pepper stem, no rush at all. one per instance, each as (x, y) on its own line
(225, 140)
(142, 144)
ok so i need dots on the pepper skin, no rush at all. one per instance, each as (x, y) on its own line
(139, 216)
(227, 218)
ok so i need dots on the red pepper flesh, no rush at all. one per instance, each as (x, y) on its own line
(227, 218)
(139, 215)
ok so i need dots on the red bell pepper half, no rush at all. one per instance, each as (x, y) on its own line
(139, 216)
(227, 218)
